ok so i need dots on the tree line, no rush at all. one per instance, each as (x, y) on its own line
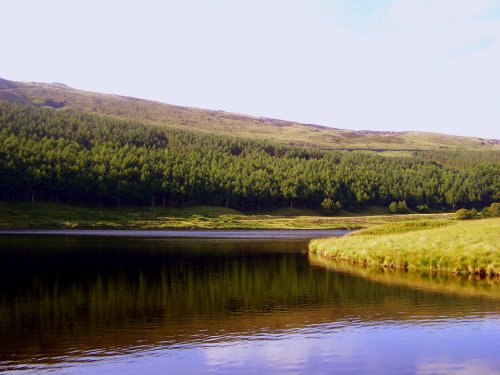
(80, 158)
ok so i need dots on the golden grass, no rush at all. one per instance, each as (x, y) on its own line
(468, 247)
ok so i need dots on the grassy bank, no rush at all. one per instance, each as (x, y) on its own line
(466, 247)
(45, 215)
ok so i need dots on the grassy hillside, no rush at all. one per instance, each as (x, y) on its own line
(62, 97)
(469, 247)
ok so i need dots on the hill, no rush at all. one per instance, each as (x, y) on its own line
(61, 97)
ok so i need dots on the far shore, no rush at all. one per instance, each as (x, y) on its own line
(50, 216)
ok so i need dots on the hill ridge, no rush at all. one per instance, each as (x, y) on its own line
(61, 96)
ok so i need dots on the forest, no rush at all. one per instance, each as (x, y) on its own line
(78, 158)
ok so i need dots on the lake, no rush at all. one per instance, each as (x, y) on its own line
(237, 302)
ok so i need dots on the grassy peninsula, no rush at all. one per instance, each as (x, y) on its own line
(463, 247)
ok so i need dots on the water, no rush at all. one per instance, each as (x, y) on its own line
(183, 234)
(87, 304)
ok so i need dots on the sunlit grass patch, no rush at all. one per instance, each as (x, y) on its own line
(48, 215)
(461, 247)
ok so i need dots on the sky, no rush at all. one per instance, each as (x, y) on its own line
(392, 65)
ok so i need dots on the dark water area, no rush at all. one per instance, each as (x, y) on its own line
(100, 304)
(182, 234)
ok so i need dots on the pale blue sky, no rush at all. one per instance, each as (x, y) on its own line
(379, 65)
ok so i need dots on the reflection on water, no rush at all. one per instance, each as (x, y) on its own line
(129, 305)
(466, 285)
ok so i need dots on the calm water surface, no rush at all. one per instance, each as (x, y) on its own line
(99, 304)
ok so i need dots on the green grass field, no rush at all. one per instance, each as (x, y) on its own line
(464, 247)
(46, 215)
